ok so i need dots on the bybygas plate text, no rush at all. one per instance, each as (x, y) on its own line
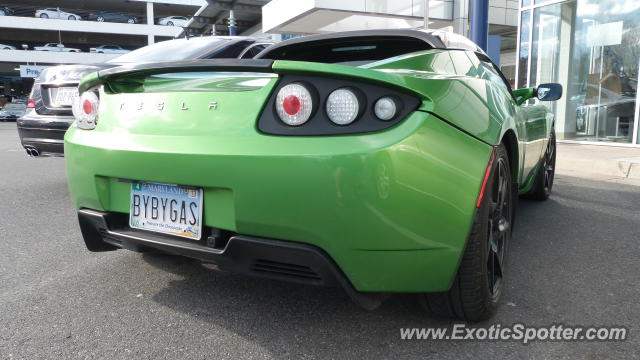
(168, 209)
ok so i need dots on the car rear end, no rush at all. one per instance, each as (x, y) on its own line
(48, 114)
(381, 204)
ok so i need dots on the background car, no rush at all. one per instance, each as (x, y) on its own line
(55, 47)
(5, 11)
(56, 13)
(7, 47)
(173, 21)
(111, 16)
(12, 111)
(49, 107)
(109, 49)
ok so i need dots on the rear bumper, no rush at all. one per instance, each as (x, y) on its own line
(44, 132)
(249, 255)
(392, 209)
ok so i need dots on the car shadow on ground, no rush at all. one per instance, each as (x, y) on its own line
(557, 274)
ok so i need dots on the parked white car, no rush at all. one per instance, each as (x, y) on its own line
(108, 49)
(7, 47)
(56, 13)
(55, 47)
(173, 21)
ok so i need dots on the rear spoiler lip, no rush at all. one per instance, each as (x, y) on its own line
(242, 65)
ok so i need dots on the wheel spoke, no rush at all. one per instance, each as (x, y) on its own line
(498, 223)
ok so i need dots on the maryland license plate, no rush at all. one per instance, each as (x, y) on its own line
(167, 209)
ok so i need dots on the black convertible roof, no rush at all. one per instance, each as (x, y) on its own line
(433, 39)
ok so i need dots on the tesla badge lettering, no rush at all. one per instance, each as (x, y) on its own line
(212, 105)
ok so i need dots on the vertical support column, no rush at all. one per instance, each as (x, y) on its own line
(480, 22)
(635, 137)
(232, 23)
(150, 20)
(565, 112)
(426, 14)
(461, 17)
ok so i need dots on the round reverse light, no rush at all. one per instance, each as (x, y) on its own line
(294, 104)
(342, 106)
(85, 110)
(385, 108)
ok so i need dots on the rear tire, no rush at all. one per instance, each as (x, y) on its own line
(546, 172)
(100, 19)
(476, 289)
(131, 21)
(44, 16)
(71, 17)
(170, 23)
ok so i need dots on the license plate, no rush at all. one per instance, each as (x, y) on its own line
(167, 209)
(63, 96)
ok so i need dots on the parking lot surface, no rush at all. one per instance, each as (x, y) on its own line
(573, 260)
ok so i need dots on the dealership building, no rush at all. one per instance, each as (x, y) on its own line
(592, 47)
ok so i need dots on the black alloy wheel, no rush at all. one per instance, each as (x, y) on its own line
(475, 292)
(546, 173)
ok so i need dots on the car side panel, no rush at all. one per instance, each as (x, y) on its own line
(536, 136)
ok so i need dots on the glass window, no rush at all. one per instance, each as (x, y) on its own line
(603, 78)
(591, 47)
(523, 59)
(170, 50)
(232, 51)
(526, 3)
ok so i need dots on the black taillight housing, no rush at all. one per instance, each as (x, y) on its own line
(340, 106)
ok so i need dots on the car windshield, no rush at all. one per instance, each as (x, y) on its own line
(15, 107)
(171, 50)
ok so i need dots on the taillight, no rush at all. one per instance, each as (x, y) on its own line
(31, 103)
(317, 106)
(343, 106)
(385, 108)
(294, 104)
(85, 110)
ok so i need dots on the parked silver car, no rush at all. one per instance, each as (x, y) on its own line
(173, 21)
(108, 49)
(55, 47)
(56, 13)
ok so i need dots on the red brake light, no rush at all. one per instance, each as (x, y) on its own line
(291, 104)
(31, 103)
(294, 104)
(87, 107)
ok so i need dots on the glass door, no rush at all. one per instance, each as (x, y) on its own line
(592, 48)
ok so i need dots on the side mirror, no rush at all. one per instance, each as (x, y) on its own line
(549, 92)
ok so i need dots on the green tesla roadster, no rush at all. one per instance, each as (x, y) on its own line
(379, 161)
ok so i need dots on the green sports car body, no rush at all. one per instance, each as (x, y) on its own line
(380, 161)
